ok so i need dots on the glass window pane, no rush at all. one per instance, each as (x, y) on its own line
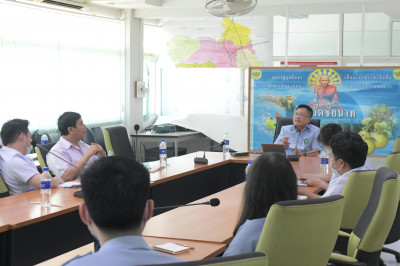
(376, 34)
(396, 38)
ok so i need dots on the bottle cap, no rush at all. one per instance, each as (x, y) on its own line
(249, 162)
(44, 133)
(45, 169)
(162, 140)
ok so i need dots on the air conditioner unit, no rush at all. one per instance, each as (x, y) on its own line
(73, 4)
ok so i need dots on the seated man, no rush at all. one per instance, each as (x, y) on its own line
(19, 171)
(301, 137)
(348, 154)
(116, 208)
(325, 135)
(71, 148)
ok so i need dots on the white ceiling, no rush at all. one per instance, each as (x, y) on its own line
(170, 9)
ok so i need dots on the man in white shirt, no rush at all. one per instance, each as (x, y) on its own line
(348, 153)
(19, 171)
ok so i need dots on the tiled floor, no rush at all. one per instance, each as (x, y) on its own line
(389, 259)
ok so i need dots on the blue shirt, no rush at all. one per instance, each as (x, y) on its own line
(246, 238)
(124, 250)
(306, 140)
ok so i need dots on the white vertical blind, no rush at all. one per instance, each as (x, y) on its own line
(53, 61)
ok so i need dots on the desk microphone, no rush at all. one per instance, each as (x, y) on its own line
(136, 127)
(41, 146)
(203, 160)
(213, 202)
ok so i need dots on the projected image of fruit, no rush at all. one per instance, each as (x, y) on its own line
(378, 127)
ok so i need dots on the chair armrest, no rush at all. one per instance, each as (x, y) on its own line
(344, 234)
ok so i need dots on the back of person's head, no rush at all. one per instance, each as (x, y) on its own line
(12, 129)
(66, 120)
(270, 179)
(327, 132)
(350, 147)
(309, 110)
(116, 190)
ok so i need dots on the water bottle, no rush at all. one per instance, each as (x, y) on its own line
(163, 153)
(225, 147)
(110, 153)
(324, 165)
(247, 168)
(44, 139)
(45, 188)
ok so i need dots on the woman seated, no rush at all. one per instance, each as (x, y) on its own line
(270, 179)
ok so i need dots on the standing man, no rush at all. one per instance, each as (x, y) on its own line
(301, 137)
(116, 209)
(71, 148)
(19, 171)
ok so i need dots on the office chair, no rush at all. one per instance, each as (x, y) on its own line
(4, 192)
(284, 121)
(252, 258)
(41, 153)
(396, 147)
(372, 228)
(301, 232)
(117, 142)
(356, 193)
(36, 138)
(89, 137)
(99, 136)
(393, 162)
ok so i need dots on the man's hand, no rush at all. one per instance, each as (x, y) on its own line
(316, 182)
(285, 141)
(93, 150)
(100, 150)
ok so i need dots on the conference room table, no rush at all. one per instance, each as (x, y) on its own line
(30, 234)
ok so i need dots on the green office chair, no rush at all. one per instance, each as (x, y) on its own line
(372, 228)
(4, 192)
(301, 232)
(117, 142)
(41, 153)
(252, 258)
(396, 147)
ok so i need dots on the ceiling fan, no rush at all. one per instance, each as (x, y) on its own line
(230, 8)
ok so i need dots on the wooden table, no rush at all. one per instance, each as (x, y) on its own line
(25, 230)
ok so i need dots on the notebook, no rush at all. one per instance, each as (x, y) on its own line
(268, 147)
(172, 248)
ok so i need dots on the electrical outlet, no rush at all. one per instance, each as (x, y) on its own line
(140, 89)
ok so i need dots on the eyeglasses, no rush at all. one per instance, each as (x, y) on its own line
(301, 115)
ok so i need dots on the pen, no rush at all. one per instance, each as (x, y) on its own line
(37, 202)
(183, 245)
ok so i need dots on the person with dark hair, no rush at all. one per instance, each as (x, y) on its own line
(301, 137)
(325, 135)
(348, 153)
(270, 179)
(71, 148)
(116, 209)
(19, 171)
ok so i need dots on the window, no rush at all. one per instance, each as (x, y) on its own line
(376, 34)
(396, 38)
(53, 61)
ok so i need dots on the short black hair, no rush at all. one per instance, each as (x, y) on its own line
(116, 190)
(309, 110)
(327, 133)
(350, 147)
(12, 129)
(66, 120)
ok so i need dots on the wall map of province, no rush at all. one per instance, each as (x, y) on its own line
(234, 49)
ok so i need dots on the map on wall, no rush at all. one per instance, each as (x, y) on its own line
(219, 43)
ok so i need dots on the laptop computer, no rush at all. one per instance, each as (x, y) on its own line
(269, 147)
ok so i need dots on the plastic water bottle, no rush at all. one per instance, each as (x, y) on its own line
(110, 153)
(324, 165)
(45, 188)
(44, 139)
(163, 153)
(247, 168)
(225, 147)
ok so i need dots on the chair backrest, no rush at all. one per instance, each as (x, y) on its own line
(117, 141)
(252, 258)
(393, 161)
(356, 193)
(396, 147)
(284, 121)
(98, 134)
(4, 192)
(372, 229)
(89, 137)
(301, 232)
(41, 153)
